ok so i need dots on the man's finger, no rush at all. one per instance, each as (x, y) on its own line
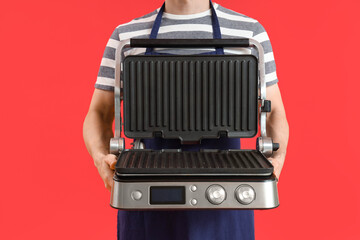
(106, 174)
(108, 179)
(109, 182)
(112, 165)
(111, 160)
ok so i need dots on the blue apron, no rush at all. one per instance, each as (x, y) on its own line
(187, 224)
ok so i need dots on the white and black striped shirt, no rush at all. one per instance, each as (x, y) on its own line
(199, 25)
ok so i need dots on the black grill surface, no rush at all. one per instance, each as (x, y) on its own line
(190, 97)
(224, 162)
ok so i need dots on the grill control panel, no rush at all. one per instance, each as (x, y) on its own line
(182, 195)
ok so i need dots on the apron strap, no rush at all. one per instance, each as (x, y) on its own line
(215, 27)
(156, 26)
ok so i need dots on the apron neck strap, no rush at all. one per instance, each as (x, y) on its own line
(215, 27)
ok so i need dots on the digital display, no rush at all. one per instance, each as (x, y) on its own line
(167, 195)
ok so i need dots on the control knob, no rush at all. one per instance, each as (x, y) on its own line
(216, 194)
(245, 194)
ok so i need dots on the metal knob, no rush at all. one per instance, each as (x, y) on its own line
(216, 194)
(245, 194)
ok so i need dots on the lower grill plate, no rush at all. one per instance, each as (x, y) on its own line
(205, 163)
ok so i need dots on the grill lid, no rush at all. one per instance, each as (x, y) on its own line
(190, 97)
(219, 162)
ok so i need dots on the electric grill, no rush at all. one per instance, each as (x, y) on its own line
(190, 98)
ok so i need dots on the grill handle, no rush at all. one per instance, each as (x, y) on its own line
(189, 43)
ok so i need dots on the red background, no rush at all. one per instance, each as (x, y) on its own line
(50, 54)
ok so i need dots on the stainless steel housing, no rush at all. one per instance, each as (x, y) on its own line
(266, 195)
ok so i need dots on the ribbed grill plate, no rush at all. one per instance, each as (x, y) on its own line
(190, 97)
(224, 162)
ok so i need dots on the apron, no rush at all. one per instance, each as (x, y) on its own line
(187, 224)
(222, 143)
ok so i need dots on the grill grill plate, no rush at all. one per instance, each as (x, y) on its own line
(225, 162)
(190, 97)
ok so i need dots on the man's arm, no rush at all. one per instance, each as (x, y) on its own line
(277, 127)
(97, 131)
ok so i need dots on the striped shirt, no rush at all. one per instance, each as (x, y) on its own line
(199, 25)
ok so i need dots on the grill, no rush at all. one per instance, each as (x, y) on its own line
(191, 98)
(173, 162)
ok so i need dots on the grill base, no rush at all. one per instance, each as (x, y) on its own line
(122, 196)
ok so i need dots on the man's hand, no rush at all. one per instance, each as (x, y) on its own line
(277, 127)
(278, 163)
(106, 166)
(97, 133)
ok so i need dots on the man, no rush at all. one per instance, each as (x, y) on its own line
(180, 19)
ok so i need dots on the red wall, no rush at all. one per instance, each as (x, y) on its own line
(50, 53)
